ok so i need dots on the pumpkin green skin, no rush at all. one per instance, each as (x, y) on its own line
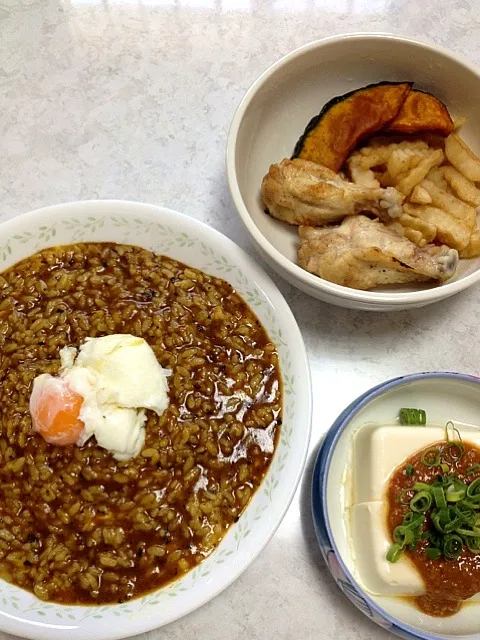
(314, 122)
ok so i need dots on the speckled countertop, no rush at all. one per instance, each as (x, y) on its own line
(133, 99)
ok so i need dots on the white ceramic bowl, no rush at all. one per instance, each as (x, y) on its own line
(173, 234)
(444, 396)
(275, 110)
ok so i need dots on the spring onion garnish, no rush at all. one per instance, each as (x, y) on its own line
(456, 432)
(421, 486)
(455, 490)
(411, 518)
(439, 496)
(394, 553)
(475, 468)
(444, 515)
(412, 416)
(452, 547)
(405, 496)
(453, 451)
(403, 535)
(432, 553)
(432, 457)
(473, 544)
(421, 502)
(474, 489)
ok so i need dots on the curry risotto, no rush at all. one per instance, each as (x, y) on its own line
(78, 526)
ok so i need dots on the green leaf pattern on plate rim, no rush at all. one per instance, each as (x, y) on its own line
(163, 239)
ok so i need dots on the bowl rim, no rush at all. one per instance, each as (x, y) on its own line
(318, 498)
(28, 629)
(294, 270)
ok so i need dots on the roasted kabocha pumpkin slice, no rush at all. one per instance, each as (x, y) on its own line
(346, 120)
(422, 112)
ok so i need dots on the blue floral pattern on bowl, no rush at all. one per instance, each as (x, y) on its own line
(188, 240)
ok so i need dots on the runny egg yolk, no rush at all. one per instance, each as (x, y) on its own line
(55, 412)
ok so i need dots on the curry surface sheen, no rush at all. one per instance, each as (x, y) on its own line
(79, 527)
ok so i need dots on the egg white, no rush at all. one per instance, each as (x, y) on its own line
(118, 377)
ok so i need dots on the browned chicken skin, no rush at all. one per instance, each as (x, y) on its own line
(304, 193)
(363, 254)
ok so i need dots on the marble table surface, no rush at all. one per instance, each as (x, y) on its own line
(133, 99)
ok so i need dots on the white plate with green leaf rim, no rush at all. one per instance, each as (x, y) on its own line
(170, 233)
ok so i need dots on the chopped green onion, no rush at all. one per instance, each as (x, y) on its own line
(422, 486)
(413, 520)
(394, 553)
(471, 503)
(405, 495)
(454, 450)
(435, 539)
(403, 535)
(413, 417)
(473, 490)
(444, 513)
(445, 520)
(473, 469)
(439, 497)
(455, 431)
(421, 502)
(452, 525)
(431, 457)
(452, 547)
(473, 532)
(455, 491)
(473, 544)
(466, 514)
(432, 553)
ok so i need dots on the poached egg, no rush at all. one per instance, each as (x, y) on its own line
(102, 390)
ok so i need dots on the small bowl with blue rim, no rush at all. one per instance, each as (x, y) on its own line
(444, 397)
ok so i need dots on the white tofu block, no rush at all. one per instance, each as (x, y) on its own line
(378, 450)
(371, 543)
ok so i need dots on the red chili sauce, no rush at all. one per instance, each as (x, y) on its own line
(447, 582)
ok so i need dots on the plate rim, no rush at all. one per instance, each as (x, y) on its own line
(44, 631)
